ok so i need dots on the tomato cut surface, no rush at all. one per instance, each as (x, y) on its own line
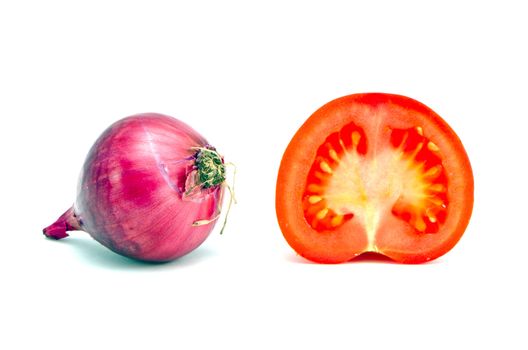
(374, 173)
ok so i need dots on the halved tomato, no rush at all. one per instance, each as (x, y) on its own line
(374, 173)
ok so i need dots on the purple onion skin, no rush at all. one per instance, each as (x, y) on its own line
(134, 194)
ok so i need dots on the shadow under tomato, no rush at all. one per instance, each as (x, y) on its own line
(368, 257)
(94, 253)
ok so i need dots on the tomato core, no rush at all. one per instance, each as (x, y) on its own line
(351, 181)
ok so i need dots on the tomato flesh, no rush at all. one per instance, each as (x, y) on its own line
(377, 171)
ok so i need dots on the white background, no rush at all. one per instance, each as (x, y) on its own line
(246, 75)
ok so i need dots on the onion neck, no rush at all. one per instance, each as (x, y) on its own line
(66, 222)
(209, 172)
(210, 167)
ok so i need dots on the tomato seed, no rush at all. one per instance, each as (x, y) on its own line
(314, 199)
(432, 147)
(322, 213)
(325, 167)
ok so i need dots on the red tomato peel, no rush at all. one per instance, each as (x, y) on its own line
(376, 173)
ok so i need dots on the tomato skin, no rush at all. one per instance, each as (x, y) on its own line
(394, 237)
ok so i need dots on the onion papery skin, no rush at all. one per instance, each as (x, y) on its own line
(134, 194)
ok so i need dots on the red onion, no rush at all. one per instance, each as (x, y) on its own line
(151, 189)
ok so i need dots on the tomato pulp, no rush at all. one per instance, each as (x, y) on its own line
(376, 173)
